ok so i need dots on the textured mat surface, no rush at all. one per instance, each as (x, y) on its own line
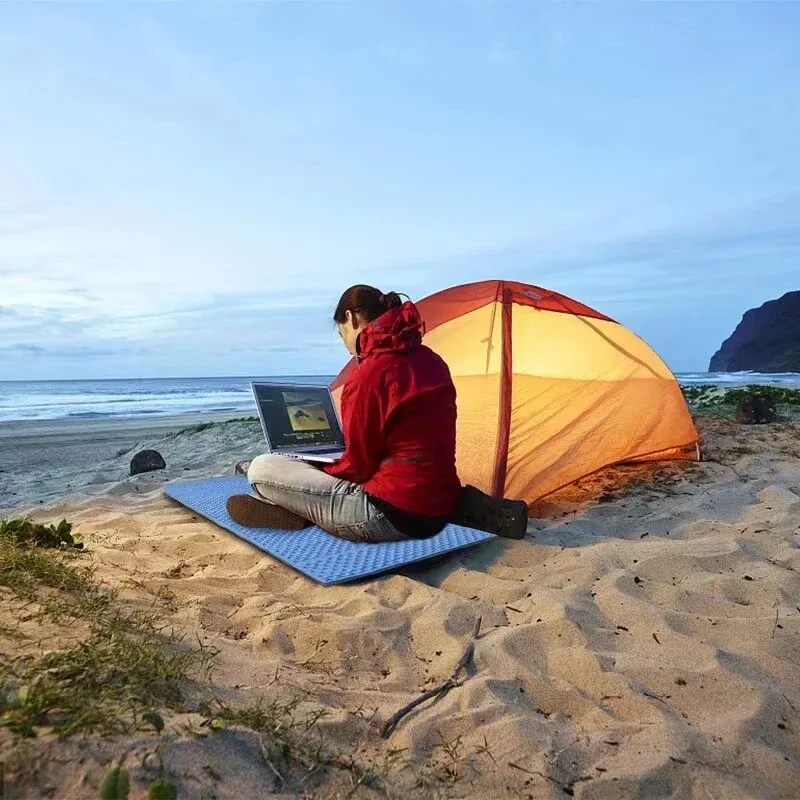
(313, 552)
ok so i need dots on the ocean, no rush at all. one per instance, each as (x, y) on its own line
(147, 397)
(40, 400)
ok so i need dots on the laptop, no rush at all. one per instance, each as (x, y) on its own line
(299, 421)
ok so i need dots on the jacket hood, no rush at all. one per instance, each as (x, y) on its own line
(398, 330)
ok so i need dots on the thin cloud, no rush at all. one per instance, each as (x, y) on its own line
(65, 352)
(668, 256)
(642, 279)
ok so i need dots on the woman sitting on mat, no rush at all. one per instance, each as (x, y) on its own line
(397, 478)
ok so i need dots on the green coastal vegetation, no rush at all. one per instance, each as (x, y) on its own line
(204, 426)
(722, 401)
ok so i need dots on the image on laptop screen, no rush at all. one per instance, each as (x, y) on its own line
(306, 412)
(298, 417)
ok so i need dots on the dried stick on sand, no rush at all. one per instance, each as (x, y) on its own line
(450, 683)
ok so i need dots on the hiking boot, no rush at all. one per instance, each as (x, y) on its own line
(506, 518)
(247, 510)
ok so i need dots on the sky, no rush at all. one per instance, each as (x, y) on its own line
(187, 188)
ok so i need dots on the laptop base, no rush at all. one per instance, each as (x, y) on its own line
(321, 458)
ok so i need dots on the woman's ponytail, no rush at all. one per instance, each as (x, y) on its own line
(366, 301)
(391, 300)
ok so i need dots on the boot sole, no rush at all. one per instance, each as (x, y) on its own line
(247, 510)
(505, 518)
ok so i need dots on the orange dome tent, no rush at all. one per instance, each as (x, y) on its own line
(549, 390)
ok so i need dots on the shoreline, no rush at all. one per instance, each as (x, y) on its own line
(108, 428)
(61, 460)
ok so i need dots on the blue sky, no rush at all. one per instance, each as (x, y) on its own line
(185, 189)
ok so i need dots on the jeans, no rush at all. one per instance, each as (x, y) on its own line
(339, 507)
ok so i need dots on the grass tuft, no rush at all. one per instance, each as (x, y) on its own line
(33, 555)
(111, 667)
(203, 426)
(25, 571)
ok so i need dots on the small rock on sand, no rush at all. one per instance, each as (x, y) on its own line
(147, 461)
(756, 409)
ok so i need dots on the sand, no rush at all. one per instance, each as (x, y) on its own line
(55, 460)
(642, 641)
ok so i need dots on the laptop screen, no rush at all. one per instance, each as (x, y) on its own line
(298, 416)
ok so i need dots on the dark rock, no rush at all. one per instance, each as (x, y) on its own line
(766, 340)
(756, 409)
(242, 467)
(147, 461)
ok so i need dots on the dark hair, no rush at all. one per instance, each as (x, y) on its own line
(366, 301)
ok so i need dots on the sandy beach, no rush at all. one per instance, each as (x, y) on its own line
(49, 460)
(642, 641)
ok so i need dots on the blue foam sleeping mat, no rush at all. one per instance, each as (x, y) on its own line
(317, 554)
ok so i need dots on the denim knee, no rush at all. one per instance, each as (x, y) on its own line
(265, 468)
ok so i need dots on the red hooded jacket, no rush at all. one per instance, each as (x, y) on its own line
(399, 420)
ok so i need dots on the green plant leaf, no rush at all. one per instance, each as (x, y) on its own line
(153, 718)
(26, 533)
(116, 784)
(162, 789)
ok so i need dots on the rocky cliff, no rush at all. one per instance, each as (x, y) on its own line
(766, 340)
